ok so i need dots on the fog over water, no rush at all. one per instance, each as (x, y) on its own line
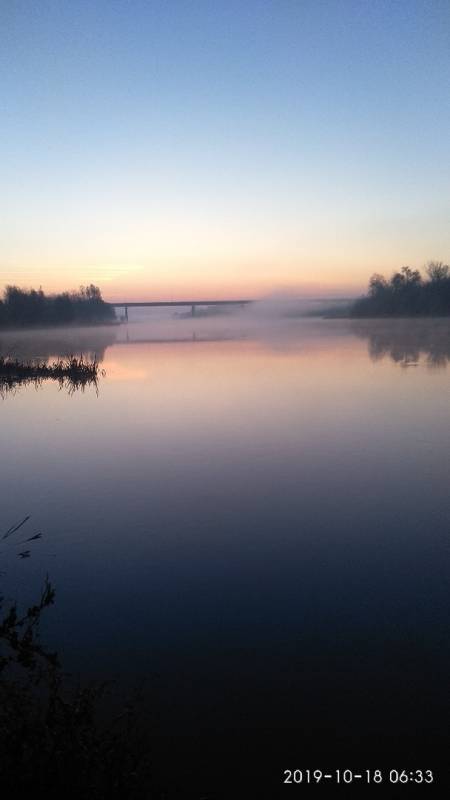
(253, 512)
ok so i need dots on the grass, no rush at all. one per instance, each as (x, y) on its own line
(71, 372)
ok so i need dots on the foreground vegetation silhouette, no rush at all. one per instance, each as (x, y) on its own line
(26, 308)
(71, 373)
(407, 294)
(56, 737)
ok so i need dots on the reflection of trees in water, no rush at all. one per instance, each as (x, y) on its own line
(407, 342)
(45, 344)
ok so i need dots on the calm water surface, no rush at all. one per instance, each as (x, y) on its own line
(255, 518)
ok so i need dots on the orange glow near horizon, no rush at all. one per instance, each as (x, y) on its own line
(200, 255)
(172, 273)
(147, 285)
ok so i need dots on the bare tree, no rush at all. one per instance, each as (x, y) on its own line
(437, 271)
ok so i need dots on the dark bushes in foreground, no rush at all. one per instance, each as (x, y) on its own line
(59, 738)
(22, 308)
(54, 736)
(407, 294)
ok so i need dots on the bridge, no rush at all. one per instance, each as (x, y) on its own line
(192, 304)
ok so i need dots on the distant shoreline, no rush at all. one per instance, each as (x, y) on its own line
(31, 308)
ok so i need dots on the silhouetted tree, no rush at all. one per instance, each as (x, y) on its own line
(90, 292)
(437, 271)
(407, 294)
(21, 307)
(377, 285)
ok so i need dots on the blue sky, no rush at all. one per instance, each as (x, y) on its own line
(157, 147)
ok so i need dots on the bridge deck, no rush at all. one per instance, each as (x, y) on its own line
(162, 303)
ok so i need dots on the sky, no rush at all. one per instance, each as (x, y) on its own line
(165, 150)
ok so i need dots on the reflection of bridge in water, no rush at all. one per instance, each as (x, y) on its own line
(182, 339)
(192, 304)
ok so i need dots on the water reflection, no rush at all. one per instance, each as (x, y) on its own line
(407, 342)
(191, 338)
(47, 344)
(92, 343)
(262, 523)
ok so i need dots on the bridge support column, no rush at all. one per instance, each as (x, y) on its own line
(193, 311)
(126, 313)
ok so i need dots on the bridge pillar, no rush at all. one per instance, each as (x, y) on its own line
(193, 310)
(126, 313)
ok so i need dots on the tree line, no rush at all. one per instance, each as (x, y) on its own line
(407, 294)
(29, 307)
